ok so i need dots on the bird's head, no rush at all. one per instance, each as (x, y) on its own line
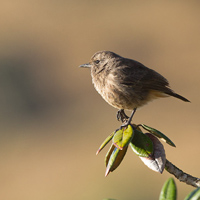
(102, 61)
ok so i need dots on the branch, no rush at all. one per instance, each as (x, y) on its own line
(182, 176)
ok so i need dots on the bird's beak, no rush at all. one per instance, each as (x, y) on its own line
(87, 65)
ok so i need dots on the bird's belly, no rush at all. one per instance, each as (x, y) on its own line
(119, 101)
(117, 98)
(129, 101)
(125, 98)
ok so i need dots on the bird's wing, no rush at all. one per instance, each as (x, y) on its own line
(136, 75)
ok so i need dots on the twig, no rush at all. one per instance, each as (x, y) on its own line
(182, 176)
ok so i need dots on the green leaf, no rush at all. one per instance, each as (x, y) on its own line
(141, 144)
(194, 195)
(158, 134)
(118, 137)
(123, 137)
(168, 191)
(113, 158)
(106, 141)
(157, 160)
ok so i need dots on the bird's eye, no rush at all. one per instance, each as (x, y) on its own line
(97, 61)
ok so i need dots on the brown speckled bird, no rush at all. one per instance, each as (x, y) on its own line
(125, 83)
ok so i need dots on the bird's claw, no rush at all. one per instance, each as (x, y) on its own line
(128, 120)
(121, 116)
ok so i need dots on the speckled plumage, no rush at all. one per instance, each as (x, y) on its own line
(126, 83)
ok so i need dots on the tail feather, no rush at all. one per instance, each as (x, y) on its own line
(171, 93)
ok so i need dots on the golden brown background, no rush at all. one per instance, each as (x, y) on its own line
(52, 120)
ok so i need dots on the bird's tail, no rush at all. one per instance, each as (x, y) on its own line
(171, 93)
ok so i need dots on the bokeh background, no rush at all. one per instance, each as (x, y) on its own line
(52, 120)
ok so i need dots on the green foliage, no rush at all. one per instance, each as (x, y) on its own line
(168, 191)
(105, 142)
(144, 145)
(141, 144)
(158, 134)
(113, 158)
(194, 195)
(148, 148)
(123, 137)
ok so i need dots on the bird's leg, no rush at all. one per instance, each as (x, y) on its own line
(130, 118)
(122, 116)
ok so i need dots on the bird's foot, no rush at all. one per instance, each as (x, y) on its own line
(121, 116)
(128, 122)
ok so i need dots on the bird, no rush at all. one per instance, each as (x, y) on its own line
(127, 84)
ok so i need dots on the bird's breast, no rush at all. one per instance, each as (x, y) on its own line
(113, 93)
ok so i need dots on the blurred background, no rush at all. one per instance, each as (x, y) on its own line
(52, 120)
